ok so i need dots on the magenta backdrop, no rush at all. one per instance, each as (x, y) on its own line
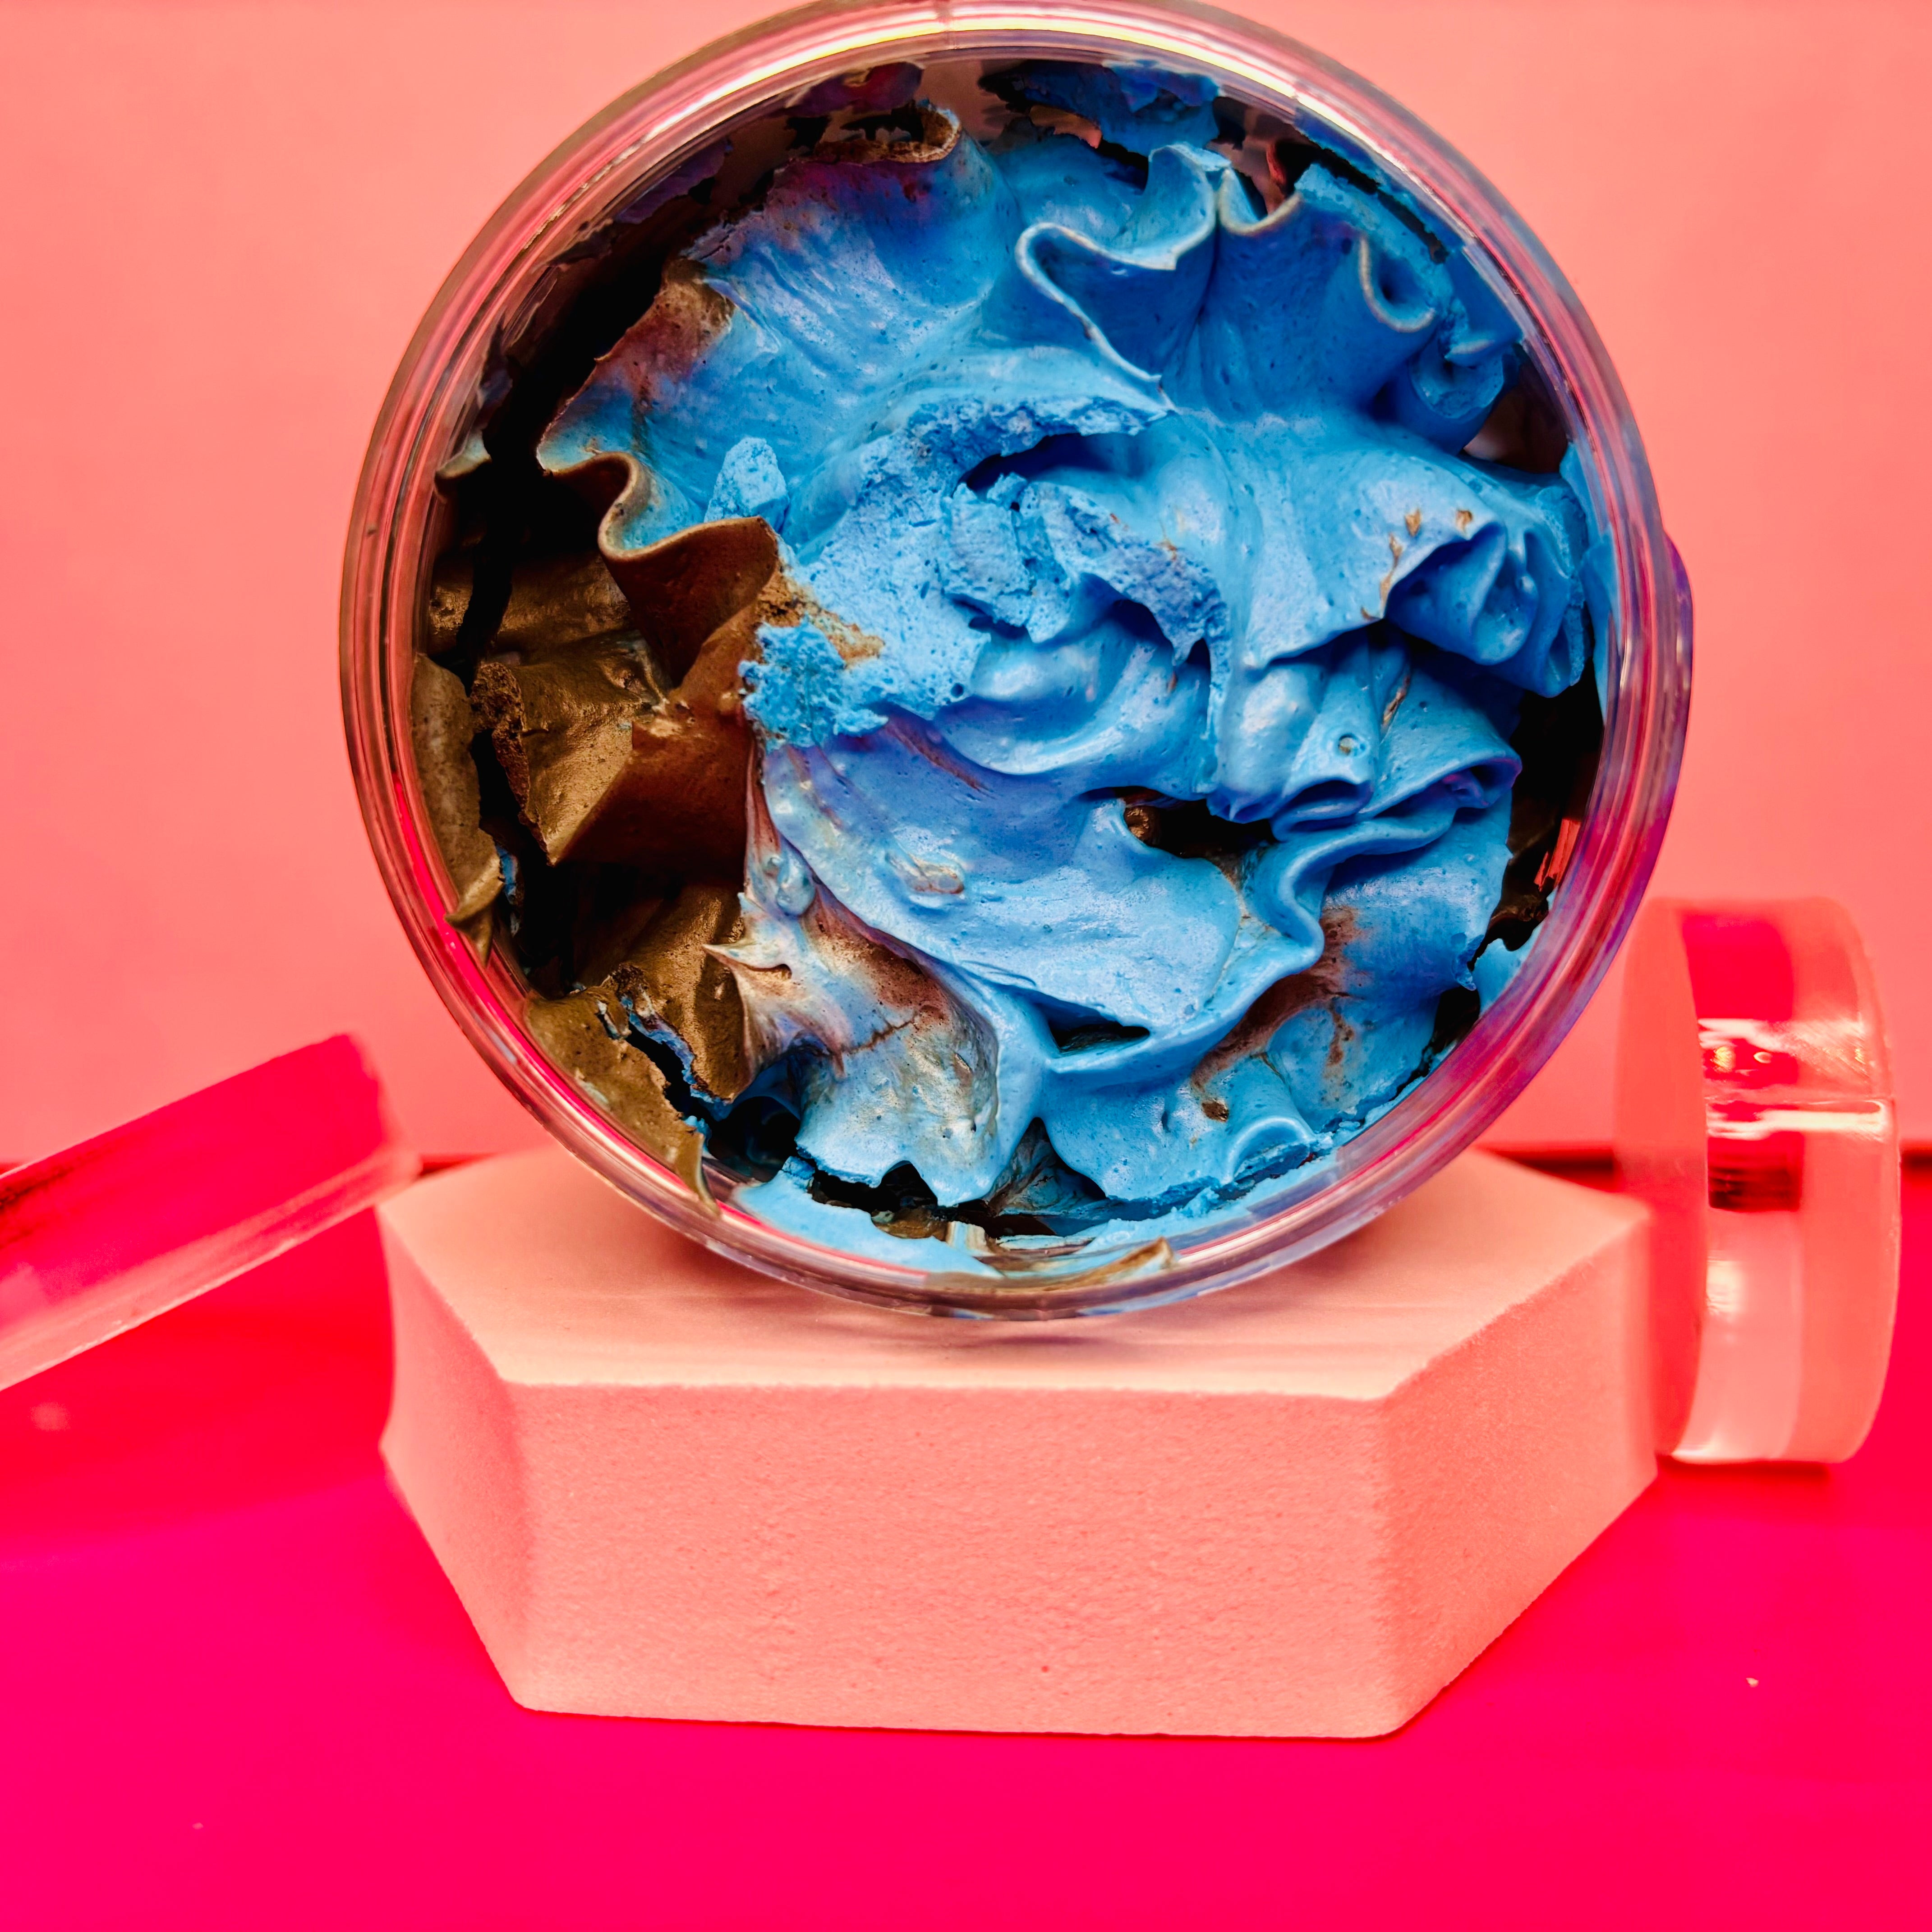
(220, 224)
(239, 1696)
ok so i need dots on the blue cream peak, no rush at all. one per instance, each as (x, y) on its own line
(1097, 495)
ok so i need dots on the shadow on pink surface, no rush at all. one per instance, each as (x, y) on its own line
(239, 1691)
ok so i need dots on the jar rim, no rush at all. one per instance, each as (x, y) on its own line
(643, 136)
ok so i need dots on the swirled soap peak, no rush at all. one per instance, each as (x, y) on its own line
(1139, 694)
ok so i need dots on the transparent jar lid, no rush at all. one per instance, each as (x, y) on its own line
(1755, 1115)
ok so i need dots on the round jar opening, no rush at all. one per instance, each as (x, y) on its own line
(1012, 668)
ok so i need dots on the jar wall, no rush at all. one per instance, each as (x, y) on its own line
(514, 269)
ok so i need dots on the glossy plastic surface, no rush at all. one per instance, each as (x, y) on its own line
(111, 1233)
(1755, 1113)
(640, 138)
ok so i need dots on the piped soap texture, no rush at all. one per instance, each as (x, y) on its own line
(1115, 661)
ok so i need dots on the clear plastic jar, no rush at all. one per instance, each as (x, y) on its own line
(401, 522)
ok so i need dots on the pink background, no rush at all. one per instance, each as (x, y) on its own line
(220, 224)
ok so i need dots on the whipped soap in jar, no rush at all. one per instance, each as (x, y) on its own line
(1029, 667)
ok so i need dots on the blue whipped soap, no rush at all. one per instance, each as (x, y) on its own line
(1133, 765)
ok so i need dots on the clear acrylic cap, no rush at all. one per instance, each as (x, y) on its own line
(1754, 1114)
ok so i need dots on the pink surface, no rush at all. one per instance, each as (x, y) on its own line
(665, 1487)
(236, 1691)
(226, 221)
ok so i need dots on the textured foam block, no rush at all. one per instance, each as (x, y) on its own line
(665, 1487)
